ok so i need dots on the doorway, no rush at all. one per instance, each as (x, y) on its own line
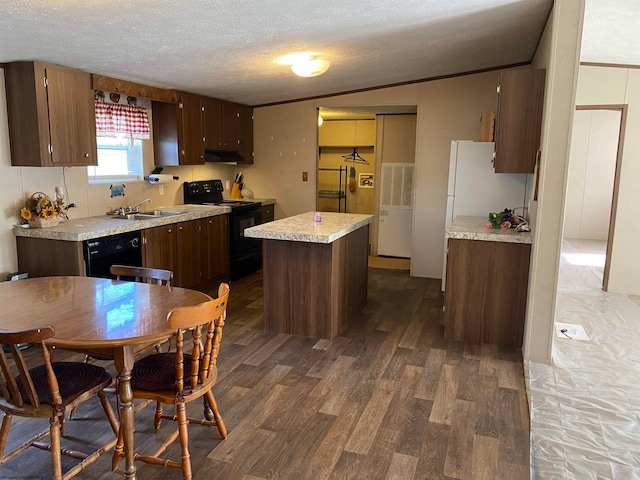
(360, 149)
(592, 183)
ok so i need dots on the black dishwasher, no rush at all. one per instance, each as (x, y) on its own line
(119, 249)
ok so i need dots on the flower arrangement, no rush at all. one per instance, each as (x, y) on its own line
(507, 219)
(40, 211)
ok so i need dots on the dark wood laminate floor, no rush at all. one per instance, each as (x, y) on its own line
(389, 399)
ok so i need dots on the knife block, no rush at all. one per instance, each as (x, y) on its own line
(235, 191)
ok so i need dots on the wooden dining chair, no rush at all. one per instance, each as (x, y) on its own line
(156, 276)
(48, 390)
(177, 378)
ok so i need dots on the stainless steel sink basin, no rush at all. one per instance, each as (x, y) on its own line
(134, 216)
(148, 215)
(162, 213)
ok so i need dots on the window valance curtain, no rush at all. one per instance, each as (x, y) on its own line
(117, 120)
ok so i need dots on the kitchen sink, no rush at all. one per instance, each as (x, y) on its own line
(148, 215)
(134, 216)
(162, 213)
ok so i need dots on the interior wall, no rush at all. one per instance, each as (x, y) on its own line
(558, 52)
(17, 183)
(448, 109)
(592, 165)
(615, 86)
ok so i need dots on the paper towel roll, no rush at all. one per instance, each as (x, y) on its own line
(160, 178)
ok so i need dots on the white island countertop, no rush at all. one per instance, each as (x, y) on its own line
(303, 228)
(472, 228)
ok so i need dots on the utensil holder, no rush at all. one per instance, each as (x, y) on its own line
(235, 191)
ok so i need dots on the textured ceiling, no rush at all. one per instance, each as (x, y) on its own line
(227, 48)
(610, 32)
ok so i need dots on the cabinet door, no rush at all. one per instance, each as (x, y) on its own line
(486, 292)
(212, 123)
(266, 214)
(518, 120)
(51, 115)
(71, 117)
(365, 133)
(159, 247)
(192, 149)
(217, 247)
(188, 268)
(229, 126)
(245, 133)
(337, 133)
(167, 133)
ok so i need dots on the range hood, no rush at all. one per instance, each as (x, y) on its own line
(223, 156)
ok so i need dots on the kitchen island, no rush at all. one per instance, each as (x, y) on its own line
(314, 272)
(487, 275)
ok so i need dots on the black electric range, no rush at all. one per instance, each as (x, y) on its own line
(209, 192)
(245, 252)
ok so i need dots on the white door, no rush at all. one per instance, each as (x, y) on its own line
(592, 167)
(396, 210)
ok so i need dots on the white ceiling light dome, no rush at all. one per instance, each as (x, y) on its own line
(306, 64)
(312, 67)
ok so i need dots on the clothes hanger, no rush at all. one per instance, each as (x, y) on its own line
(355, 157)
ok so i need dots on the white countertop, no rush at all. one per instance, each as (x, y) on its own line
(88, 228)
(473, 228)
(303, 228)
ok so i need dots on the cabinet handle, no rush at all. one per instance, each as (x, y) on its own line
(86, 155)
(170, 230)
(498, 89)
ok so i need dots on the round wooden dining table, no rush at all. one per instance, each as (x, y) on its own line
(101, 317)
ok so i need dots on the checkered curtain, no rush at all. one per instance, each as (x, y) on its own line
(117, 120)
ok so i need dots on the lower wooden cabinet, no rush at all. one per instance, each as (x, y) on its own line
(196, 251)
(267, 214)
(486, 292)
(216, 254)
(43, 257)
(159, 248)
(190, 241)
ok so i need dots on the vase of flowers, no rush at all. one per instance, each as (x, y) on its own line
(41, 212)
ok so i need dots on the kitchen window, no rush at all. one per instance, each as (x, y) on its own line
(120, 128)
(119, 160)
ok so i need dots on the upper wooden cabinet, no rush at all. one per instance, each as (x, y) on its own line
(518, 120)
(245, 133)
(178, 132)
(228, 126)
(51, 115)
(183, 131)
(347, 133)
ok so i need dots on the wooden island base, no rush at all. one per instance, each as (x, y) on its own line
(312, 289)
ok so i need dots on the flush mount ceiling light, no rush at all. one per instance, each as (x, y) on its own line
(306, 64)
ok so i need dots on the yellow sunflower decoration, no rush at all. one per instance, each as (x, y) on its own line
(39, 205)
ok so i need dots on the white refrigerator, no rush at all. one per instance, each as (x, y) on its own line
(474, 187)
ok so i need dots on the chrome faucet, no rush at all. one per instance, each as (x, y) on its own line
(136, 209)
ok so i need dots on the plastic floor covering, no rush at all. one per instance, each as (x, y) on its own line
(585, 407)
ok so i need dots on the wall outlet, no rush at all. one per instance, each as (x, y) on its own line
(160, 189)
(305, 176)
